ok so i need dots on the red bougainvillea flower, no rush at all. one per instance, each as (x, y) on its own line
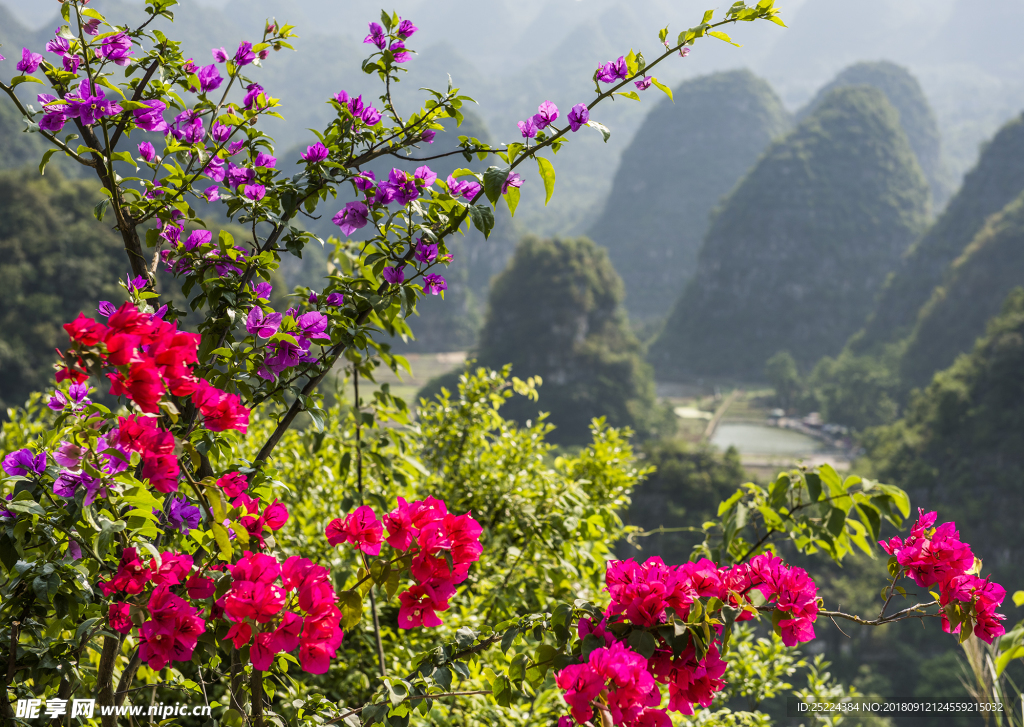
(361, 528)
(420, 604)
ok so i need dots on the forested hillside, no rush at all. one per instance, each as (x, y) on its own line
(916, 117)
(993, 183)
(16, 148)
(796, 254)
(972, 292)
(960, 447)
(56, 260)
(686, 156)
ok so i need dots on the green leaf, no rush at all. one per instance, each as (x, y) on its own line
(104, 81)
(722, 36)
(494, 180)
(90, 13)
(631, 63)
(223, 541)
(483, 218)
(46, 160)
(1018, 599)
(30, 507)
(18, 80)
(665, 89)
(708, 14)
(628, 94)
(836, 521)
(124, 156)
(643, 643)
(8, 552)
(512, 199)
(814, 486)
(726, 505)
(547, 173)
(352, 607)
(605, 131)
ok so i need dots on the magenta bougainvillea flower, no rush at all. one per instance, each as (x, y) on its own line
(425, 252)
(29, 61)
(406, 29)
(244, 55)
(376, 36)
(513, 180)
(579, 115)
(261, 324)
(613, 71)
(528, 128)
(395, 275)
(116, 48)
(209, 79)
(434, 284)
(315, 153)
(353, 217)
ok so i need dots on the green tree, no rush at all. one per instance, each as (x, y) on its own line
(56, 261)
(556, 312)
(784, 376)
(797, 252)
(855, 391)
(683, 160)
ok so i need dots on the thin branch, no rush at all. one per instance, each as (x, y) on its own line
(911, 612)
(46, 134)
(139, 90)
(413, 698)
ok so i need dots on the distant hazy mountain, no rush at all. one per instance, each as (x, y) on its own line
(916, 117)
(994, 182)
(793, 258)
(686, 156)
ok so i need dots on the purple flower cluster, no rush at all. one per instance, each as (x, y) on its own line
(29, 61)
(546, 115)
(116, 48)
(579, 115)
(196, 254)
(613, 71)
(353, 217)
(513, 180)
(88, 104)
(77, 396)
(359, 109)
(62, 47)
(24, 463)
(379, 38)
(315, 153)
(466, 189)
(304, 328)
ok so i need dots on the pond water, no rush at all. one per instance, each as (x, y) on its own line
(761, 439)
